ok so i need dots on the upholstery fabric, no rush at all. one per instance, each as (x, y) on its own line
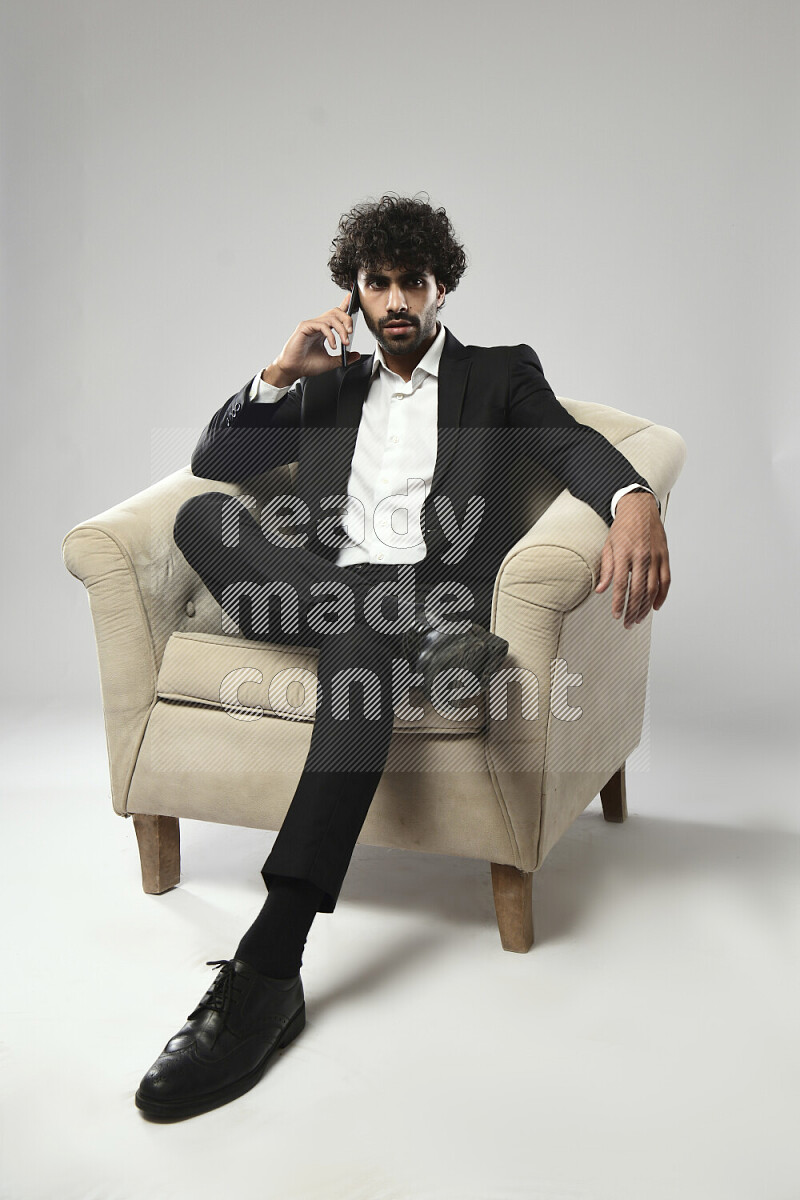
(502, 785)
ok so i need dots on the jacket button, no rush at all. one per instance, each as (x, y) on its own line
(190, 608)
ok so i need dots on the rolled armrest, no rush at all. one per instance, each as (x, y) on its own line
(557, 562)
(549, 572)
(559, 631)
(140, 587)
(573, 701)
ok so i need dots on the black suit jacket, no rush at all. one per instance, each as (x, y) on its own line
(496, 412)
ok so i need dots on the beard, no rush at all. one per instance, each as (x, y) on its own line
(422, 328)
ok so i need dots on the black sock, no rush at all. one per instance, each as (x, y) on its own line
(275, 941)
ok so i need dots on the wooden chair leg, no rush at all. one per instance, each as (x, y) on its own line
(513, 903)
(159, 851)
(613, 797)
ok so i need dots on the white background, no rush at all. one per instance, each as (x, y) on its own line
(624, 176)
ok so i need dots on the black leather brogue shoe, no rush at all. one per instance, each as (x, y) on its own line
(224, 1047)
(430, 651)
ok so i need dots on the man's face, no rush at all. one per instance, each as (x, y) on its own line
(393, 295)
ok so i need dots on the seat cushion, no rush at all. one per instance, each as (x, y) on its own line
(252, 679)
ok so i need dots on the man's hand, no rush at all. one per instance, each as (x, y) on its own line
(305, 353)
(636, 545)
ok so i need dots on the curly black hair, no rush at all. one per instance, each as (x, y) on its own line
(396, 231)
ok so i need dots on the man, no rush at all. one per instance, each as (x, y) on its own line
(402, 494)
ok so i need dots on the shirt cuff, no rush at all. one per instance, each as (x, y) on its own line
(630, 488)
(265, 393)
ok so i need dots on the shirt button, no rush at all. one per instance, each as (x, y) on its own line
(395, 438)
(397, 396)
(380, 556)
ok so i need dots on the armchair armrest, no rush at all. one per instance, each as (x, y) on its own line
(141, 590)
(557, 562)
(576, 705)
(548, 573)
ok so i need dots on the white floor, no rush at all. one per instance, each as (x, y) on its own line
(645, 1048)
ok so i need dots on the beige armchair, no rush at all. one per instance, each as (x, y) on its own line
(214, 727)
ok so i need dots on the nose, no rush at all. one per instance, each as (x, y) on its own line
(395, 300)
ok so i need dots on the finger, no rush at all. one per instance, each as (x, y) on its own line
(637, 594)
(346, 302)
(323, 327)
(642, 598)
(606, 567)
(621, 569)
(664, 580)
(343, 325)
(652, 592)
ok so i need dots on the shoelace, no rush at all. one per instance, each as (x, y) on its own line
(220, 993)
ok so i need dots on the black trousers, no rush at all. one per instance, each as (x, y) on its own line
(276, 593)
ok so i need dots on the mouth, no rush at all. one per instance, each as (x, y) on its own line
(397, 327)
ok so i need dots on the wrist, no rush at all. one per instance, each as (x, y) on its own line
(274, 375)
(640, 497)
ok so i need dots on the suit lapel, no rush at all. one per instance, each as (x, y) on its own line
(353, 390)
(454, 368)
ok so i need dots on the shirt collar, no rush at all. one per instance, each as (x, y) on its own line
(429, 361)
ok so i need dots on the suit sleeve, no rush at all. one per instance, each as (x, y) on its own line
(578, 455)
(245, 438)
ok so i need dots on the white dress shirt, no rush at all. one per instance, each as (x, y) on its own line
(393, 460)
